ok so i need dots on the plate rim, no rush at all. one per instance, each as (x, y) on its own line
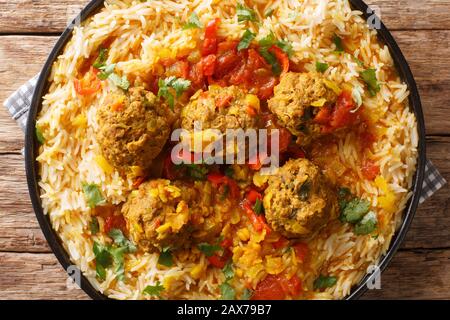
(31, 148)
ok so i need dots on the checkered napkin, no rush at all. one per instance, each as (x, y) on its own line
(19, 103)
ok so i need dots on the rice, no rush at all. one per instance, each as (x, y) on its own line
(141, 30)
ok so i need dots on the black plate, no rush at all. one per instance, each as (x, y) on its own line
(31, 149)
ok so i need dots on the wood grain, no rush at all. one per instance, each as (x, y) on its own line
(25, 275)
(412, 275)
(43, 16)
(37, 16)
(416, 274)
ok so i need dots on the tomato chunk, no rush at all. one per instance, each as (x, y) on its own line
(277, 288)
(210, 43)
(370, 170)
(89, 84)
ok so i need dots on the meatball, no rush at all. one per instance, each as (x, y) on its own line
(164, 214)
(132, 129)
(296, 99)
(299, 200)
(221, 108)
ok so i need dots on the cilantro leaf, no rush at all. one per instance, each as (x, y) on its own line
(323, 282)
(321, 67)
(227, 291)
(179, 85)
(228, 271)
(338, 43)
(367, 225)
(39, 135)
(94, 226)
(101, 58)
(107, 256)
(120, 240)
(106, 71)
(258, 207)
(246, 40)
(194, 171)
(355, 210)
(117, 254)
(271, 59)
(245, 14)
(119, 82)
(193, 22)
(103, 259)
(93, 195)
(165, 257)
(286, 46)
(155, 290)
(370, 78)
(268, 41)
(208, 249)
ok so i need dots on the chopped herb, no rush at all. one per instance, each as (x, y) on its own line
(208, 249)
(155, 290)
(269, 12)
(227, 291)
(229, 172)
(103, 260)
(179, 85)
(228, 271)
(355, 210)
(323, 282)
(286, 46)
(101, 58)
(246, 40)
(321, 67)
(120, 240)
(193, 22)
(165, 257)
(370, 78)
(194, 171)
(94, 226)
(268, 41)
(117, 254)
(119, 82)
(93, 195)
(106, 256)
(245, 14)
(338, 43)
(246, 294)
(258, 208)
(39, 135)
(271, 59)
(304, 190)
(367, 225)
(106, 71)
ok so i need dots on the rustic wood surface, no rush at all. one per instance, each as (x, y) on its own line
(29, 270)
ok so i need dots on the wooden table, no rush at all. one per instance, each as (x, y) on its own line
(28, 268)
